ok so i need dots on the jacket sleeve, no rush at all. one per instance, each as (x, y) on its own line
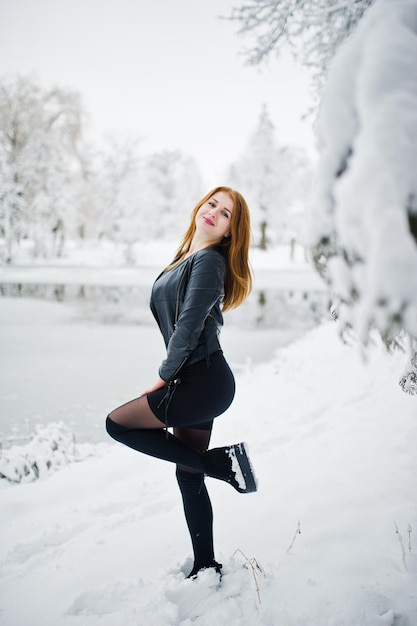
(204, 288)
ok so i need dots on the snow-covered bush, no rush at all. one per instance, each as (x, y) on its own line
(52, 448)
(363, 222)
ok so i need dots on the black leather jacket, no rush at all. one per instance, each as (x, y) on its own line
(186, 305)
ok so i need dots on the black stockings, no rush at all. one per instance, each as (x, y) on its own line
(132, 424)
(199, 517)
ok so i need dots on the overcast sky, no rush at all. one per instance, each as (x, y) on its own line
(169, 71)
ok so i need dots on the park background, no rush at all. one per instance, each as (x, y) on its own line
(116, 117)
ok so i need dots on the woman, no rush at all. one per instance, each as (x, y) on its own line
(210, 273)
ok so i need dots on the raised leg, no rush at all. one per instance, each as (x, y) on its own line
(136, 426)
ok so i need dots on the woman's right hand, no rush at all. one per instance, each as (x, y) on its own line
(158, 385)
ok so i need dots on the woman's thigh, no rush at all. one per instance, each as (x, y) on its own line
(203, 394)
(136, 414)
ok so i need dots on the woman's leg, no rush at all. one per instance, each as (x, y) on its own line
(136, 426)
(196, 501)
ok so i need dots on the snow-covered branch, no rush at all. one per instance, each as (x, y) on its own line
(361, 224)
(312, 29)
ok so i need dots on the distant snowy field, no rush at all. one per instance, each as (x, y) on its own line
(103, 542)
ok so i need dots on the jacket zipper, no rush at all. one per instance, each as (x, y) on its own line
(173, 377)
(171, 387)
(177, 304)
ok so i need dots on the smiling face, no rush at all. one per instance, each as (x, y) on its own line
(213, 219)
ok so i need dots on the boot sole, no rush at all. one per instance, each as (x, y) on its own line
(240, 451)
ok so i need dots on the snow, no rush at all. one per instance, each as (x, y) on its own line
(366, 180)
(94, 534)
(102, 541)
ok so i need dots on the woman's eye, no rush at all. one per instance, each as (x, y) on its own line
(211, 203)
(225, 213)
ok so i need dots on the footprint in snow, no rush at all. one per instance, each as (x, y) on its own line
(209, 596)
(194, 597)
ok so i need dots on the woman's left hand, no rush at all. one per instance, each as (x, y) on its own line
(158, 385)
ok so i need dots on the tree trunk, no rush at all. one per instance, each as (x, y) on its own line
(262, 243)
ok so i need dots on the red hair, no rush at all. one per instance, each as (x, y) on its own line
(235, 249)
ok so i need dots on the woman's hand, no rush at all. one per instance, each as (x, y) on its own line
(158, 385)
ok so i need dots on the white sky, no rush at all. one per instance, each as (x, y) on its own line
(169, 71)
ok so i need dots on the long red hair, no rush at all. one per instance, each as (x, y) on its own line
(235, 249)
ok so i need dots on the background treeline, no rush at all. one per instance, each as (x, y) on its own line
(56, 186)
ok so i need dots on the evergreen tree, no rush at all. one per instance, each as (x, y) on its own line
(363, 234)
(275, 180)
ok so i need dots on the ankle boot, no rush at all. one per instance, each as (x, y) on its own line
(231, 464)
(196, 569)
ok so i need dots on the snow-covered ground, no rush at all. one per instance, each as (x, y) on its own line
(103, 542)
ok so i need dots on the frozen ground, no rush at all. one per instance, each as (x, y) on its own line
(103, 542)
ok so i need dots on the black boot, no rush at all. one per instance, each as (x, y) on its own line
(231, 464)
(216, 566)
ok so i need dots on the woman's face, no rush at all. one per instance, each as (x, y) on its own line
(213, 219)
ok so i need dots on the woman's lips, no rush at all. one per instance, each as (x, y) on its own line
(207, 221)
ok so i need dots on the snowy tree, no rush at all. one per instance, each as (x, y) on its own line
(144, 197)
(173, 187)
(41, 164)
(275, 180)
(119, 188)
(312, 29)
(363, 223)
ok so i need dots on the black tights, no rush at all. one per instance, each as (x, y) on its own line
(185, 449)
(199, 517)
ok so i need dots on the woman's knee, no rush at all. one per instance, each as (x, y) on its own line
(185, 474)
(114, 429)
